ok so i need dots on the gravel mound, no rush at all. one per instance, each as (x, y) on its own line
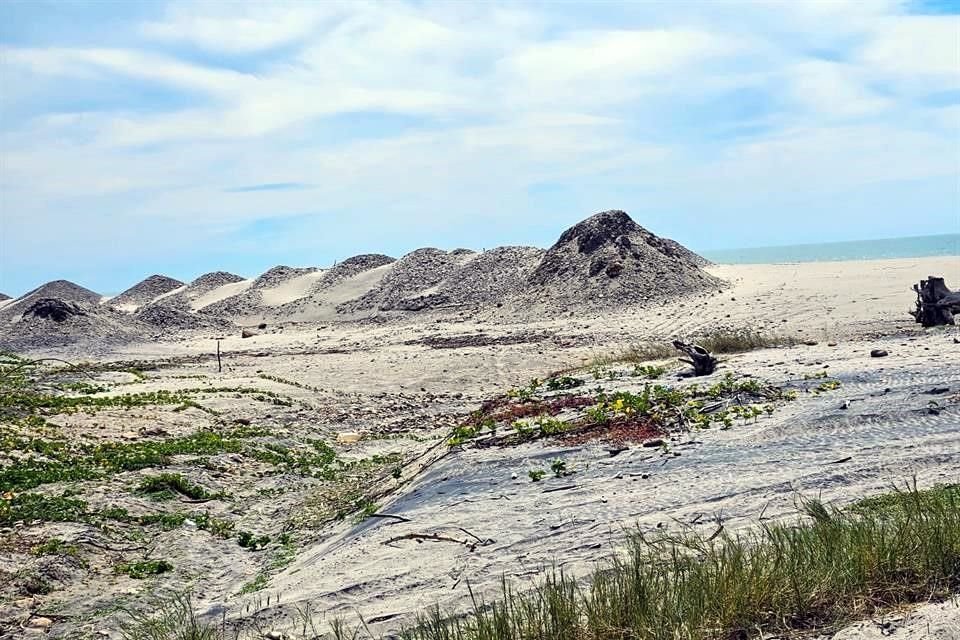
(180, 299)
(210, 281)
(251, 300)
(610, 260)
(169, 318)
(351, 267)
(278, 275)
(55, 322)
(493, 276)
(145, 291)
(410, 285)
(4, 296)
(58, 289)
(677, 249)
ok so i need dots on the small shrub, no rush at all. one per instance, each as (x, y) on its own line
(144, 568)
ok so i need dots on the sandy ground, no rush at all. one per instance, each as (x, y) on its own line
(875, 431)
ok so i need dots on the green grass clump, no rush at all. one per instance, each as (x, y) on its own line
(29, 507)
(831, 567)
(257, 584)
(144, 568)
(167, 486)
(171, 619)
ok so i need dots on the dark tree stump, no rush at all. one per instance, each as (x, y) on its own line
(703, 363)
(936, 304)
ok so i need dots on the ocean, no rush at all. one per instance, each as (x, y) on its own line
(913, 247)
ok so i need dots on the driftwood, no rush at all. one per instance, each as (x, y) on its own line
(936, 304)
(703, 363)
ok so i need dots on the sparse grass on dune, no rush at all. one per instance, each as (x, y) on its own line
(716, 343)
(834, 567)
(828, 568)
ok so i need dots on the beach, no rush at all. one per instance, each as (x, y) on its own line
(404, 385)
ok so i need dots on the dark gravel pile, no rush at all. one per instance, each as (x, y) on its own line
(55, 322)
(58, 289)
(202, 285)
(278, 275)
(251, 300)
(491, 277)
(4, 296)
(351, 267)
(169, 318)
(609, 260)
(409, 284)
(145, 291)
(210, 281)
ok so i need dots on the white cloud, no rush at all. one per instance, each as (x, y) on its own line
(833, 89)
(916, 46)
(733, 102)
(241, 27)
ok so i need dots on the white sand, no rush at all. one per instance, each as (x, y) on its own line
(292, 289)
(220, 293)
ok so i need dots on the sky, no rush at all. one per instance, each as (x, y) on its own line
(185, 137)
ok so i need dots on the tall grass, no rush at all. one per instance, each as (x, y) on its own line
(832, 567)
(820, 570)
(716, 343)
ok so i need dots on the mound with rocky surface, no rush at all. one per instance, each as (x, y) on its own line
(609, 260)
(185, 297)
(144, 292)
(410, 284)
(4, 296)
(55, 322)
(491, 277)
(58, 289)
(351, 267)
(252, 299)
(170, 318)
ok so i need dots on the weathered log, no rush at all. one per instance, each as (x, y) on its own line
(936, 304)
(699, 358)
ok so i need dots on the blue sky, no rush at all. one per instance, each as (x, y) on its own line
(179, 138)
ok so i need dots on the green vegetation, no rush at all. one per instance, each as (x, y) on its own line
(171, 619)
(252, 541)
(28, 507)
(258, 583)
(167, 486)
(66, 462)
(656, 409)
(55, 547)
(144, 568)
(833, 566)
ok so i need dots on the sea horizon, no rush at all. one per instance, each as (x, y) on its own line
(878, 249)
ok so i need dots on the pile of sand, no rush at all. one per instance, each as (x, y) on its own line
(144, 292)
(610, 260)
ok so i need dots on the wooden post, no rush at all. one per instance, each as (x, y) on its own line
(219, 364)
